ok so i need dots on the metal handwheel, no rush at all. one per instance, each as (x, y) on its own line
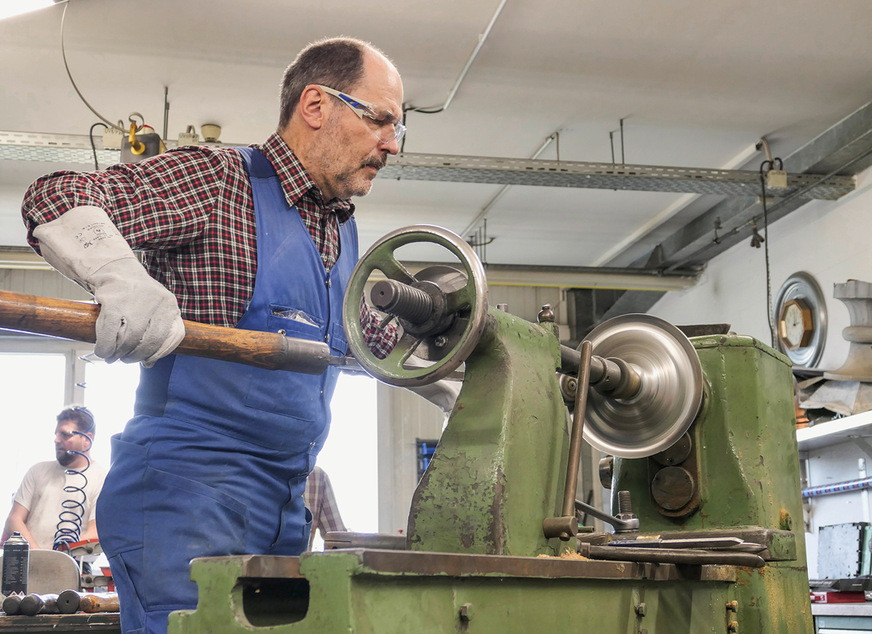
(441, 311)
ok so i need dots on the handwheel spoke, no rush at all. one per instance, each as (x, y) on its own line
(406, 345)
(394, 269)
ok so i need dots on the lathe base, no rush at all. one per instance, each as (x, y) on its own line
(384, 592)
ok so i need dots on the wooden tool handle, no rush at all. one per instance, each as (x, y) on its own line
(99, 602)
(77, 321)
(11, 604)
(68, 601)
(34, 604)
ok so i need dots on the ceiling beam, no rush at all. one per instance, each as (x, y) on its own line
(576, 277)
(844, 150)
(23, 258)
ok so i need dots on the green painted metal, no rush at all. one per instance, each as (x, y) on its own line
(747, 478)
(347, 595)
(499, 467)
(499, 471)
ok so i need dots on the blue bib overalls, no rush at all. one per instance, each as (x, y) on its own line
(215, 460)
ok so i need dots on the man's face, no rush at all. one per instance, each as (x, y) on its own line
(66, 440)
(354, 149)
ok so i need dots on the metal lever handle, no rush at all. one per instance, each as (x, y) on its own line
(620, 525)
(566, 526)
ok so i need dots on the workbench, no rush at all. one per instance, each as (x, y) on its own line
(108, 622)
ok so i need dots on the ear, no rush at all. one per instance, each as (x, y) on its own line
(313, 107)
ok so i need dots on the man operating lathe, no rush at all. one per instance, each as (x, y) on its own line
(215, 460)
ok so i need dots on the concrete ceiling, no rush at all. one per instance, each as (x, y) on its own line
(696, 84)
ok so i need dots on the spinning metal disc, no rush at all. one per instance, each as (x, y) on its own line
(671, 387)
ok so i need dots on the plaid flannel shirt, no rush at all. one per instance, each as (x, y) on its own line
(190, 212)
(322, 504)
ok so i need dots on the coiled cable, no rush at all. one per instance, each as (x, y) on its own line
(72, 515)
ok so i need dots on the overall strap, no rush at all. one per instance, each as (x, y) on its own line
(256, 164)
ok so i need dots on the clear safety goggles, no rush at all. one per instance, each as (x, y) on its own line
(365, 109)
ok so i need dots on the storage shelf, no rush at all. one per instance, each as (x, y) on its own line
(834, 432)
(841, 609)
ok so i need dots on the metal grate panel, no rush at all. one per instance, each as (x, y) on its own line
(73, 156)
(76, 149)
(500, 171)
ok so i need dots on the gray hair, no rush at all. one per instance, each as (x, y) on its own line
(334, 62)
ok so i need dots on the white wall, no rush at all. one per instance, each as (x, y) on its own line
(831, 240)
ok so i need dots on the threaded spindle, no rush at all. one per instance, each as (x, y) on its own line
(402, 300)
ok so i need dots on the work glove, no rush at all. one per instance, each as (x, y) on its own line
(139, 318)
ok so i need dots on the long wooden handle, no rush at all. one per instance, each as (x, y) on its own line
(99, 602)
(12, 604)
(77, 321)
(34, 604)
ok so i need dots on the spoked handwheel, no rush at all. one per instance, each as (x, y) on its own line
(441, 311)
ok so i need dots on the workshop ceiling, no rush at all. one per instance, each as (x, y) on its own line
(692, 84)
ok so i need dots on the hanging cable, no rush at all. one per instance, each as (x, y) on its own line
(765, 166)
(70, 75)
(93, 146)
(436, 109)
(119, 126)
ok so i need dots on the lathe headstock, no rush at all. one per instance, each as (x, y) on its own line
(701, 455)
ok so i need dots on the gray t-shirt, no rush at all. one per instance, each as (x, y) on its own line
(42, 494)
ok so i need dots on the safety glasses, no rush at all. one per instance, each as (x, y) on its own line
(392, 129)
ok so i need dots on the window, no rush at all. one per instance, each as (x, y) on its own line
(350, 454)
(41, 375)
(33, 394)
(110, 390)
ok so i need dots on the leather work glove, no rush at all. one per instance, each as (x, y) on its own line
(139, 318)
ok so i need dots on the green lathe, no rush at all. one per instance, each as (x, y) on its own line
(700, 453)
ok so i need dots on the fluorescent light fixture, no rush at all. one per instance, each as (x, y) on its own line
(8, 8)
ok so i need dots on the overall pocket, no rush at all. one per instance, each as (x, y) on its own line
(183, 519)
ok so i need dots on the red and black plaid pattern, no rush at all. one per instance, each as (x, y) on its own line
(190, 212)
(321, 502)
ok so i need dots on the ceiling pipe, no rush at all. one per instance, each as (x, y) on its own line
(493, 201)
(617, 278)
(463, 73)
